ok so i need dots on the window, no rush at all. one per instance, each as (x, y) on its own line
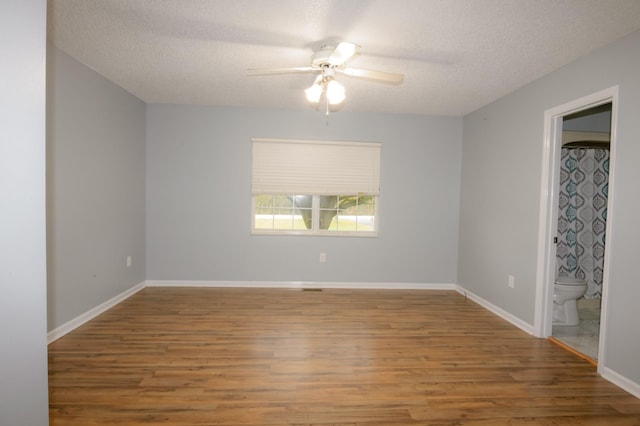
(315, 187)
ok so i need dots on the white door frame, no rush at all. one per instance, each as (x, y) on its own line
(547, 228)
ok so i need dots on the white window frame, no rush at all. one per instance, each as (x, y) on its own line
(368, 179)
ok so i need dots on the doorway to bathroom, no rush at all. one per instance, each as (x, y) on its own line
(574, 230)
(581, 225)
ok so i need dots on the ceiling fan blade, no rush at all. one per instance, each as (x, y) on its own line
(269, 71)
(343, 53)
(373, 75)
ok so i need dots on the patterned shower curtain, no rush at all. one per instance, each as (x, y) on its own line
(584, 179)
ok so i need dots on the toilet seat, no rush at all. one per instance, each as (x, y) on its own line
(563, 280)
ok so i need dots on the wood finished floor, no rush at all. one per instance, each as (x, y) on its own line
(205, 356)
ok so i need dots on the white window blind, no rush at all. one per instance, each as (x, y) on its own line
(283, 166)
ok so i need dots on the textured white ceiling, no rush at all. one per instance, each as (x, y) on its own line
(456, 55)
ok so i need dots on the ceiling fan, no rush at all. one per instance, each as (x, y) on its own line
(326, 63)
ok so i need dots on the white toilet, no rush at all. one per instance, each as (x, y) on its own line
(566, 291)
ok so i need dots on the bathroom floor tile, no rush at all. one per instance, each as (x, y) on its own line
(583, 337)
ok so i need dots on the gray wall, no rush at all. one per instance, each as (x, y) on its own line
(95, 188)
(596, 122)
(199, 199)
(500, 193)
(23, 350)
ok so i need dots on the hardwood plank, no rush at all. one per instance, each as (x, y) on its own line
(206, 356)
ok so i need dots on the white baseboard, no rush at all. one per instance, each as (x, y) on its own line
(526, 327)
(69, 326)
(300, 284)
(628, 385)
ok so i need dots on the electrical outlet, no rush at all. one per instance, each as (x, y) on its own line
(512, 281)
(323, 257)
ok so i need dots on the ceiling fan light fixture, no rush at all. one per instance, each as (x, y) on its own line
(335, 92)
(313, 93)
(327, 62)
